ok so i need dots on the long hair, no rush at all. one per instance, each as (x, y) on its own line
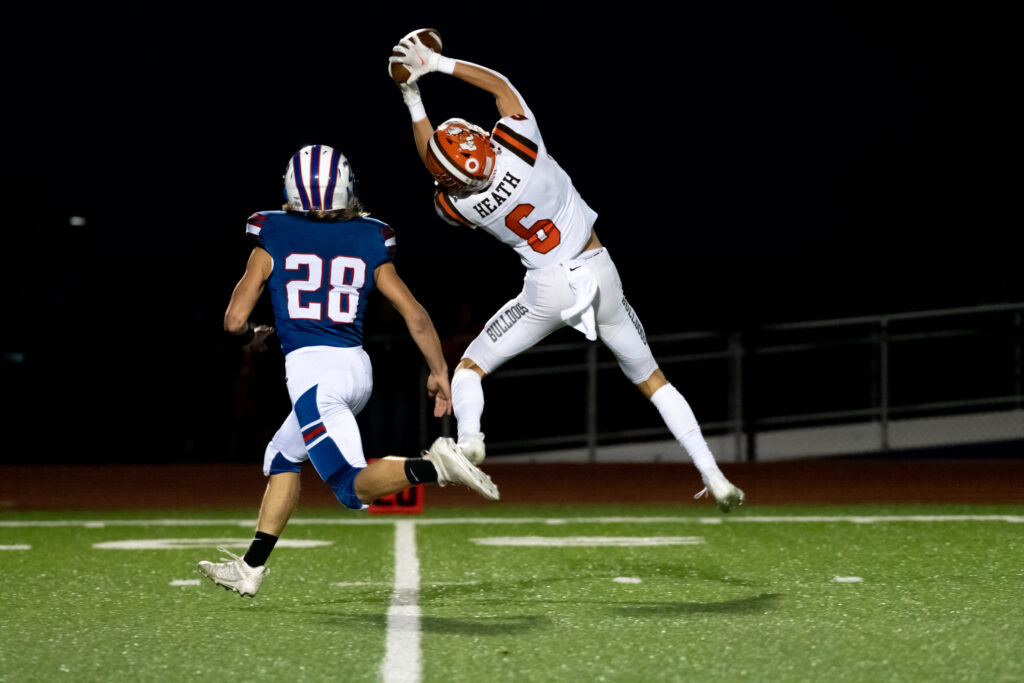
(355, 209)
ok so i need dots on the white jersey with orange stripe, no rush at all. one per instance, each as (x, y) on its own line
(531, 204)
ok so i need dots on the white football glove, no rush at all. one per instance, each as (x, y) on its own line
(416, 57)
(413, 100)
(410, 94)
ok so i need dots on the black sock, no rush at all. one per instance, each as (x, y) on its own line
(259, 549)
(420, 471)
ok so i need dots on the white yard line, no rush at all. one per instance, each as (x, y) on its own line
(402, 661)
(587, 541)
(187, 543)
(342, 521)
(875, 519)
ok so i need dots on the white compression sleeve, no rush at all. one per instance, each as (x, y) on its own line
(445, 65)
(467, 401)
(681, 421)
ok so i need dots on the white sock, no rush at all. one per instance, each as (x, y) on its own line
(680, 420)
(467, 401)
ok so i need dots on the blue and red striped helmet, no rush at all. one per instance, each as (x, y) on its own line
(318, 178)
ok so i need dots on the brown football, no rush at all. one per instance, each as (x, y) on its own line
(429, 37)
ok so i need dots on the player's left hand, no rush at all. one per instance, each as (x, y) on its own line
(416, 57)
(440, 390)
(259, 340)
(410, 94)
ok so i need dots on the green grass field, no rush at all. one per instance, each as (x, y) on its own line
(539, 593)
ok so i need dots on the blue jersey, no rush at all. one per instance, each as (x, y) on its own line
(322, 275)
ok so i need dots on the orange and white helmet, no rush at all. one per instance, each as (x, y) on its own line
(460, 157)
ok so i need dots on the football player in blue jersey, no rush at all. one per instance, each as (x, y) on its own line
(320, 257)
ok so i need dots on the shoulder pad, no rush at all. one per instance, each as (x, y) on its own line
(445, 208)
(254, 228)
(387, 234)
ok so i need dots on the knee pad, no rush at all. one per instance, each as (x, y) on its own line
(343, 484)
(278, 464)
(275, 462)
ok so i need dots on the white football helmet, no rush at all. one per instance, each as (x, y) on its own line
(318, 177)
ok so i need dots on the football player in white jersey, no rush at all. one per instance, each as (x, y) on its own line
(320, 258)
(505, 183)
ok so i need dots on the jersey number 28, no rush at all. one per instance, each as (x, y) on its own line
(347, 276)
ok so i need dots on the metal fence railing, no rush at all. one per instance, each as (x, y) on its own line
(961, 368)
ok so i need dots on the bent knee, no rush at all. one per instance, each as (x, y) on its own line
(343, 485)
(469, 364)
(652, 384)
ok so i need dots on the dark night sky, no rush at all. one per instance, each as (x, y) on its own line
(749, 164)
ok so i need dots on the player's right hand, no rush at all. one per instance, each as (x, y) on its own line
(259, 339)
(414, 56)
(439, 388)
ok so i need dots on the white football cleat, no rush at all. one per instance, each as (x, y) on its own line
(727, 495)
(453, 468)
(234, 574)
(472, 446)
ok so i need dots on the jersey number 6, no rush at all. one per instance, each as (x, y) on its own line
(542, 236)
(347, 277)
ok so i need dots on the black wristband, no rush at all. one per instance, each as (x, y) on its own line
(244, 338)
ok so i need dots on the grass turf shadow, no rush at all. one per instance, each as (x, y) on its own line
(757, 604)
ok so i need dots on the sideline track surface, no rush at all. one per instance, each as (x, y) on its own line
(817, 481)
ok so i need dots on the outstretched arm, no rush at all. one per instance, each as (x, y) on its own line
(421, 60)
(421, 127)
(422, 331)
(506, 98)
